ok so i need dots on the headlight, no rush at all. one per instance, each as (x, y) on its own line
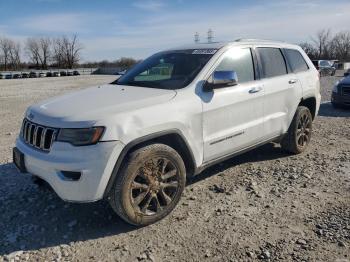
(335, 88)
(80, 136)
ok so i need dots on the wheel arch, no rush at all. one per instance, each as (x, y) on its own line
(173, 138)
(310, 103)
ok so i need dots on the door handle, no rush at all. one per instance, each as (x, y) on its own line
(293, 81)
(255, 90)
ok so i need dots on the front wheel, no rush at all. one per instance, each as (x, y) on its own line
(149, 184)
(299, 133)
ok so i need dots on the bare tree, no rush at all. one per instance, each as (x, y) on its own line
(15, 55)
(44, 51)
(72, 49)
(125, 62)
(322, 42)
(309, 49)
(57, 52)
(5, 46)
(33, 51)
(340, 45)
(66, 51)
(39, 51)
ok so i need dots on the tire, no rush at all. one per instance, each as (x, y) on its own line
(149, 185)
(299, 133)
(38, 181)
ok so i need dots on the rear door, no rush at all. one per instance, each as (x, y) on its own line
(282, 91)
(302, 70)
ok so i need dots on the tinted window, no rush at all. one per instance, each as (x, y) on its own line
(272, 62)
(324, 63)
(240, 61)
(296, 60)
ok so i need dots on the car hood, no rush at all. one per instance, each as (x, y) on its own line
(85, 107)
(345, 81)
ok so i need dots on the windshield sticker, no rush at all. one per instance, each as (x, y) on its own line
(204, 51)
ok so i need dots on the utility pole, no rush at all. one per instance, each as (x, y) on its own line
(210, 36)
(196, 38)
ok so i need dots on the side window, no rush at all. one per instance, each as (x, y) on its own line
(239, 60)
(272, 62)
(296, 60)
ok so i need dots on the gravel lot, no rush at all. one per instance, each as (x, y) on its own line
(263, 205)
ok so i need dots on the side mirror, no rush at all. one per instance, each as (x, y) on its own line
(221, 79)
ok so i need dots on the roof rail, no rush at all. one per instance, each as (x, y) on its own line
(256, 40)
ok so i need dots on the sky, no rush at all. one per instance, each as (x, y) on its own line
(110, 29)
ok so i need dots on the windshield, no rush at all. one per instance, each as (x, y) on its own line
(167, 70)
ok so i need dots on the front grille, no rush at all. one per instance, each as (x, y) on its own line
(38, 136)
(345, 90)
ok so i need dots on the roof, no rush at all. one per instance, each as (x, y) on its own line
(242, 41)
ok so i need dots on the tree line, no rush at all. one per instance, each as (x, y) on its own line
(42, 52)
(328, 46)
(122, 63)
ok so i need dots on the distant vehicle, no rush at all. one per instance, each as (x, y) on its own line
(33, 74)
(8, 76)
(16, 76)
(63, 73)
(69, 73)
(341, 93)
(49, 74)
(325, 67)
(347, 72)
(1, 76)
(56, 74)
(25, 75)
(134, 147)
(42, 74)
(76, 73)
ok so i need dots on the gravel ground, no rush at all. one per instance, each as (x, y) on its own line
(263, 205)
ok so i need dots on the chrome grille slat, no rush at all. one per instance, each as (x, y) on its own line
(35, 135)
(42, 141)
(345, 90)
(38, 136)
(27, 131)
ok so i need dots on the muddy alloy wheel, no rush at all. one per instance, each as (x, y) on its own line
(155, 186)
(298, 136)
(304, 130)
(149, 184)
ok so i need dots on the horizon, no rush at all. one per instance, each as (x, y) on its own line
(139, 28)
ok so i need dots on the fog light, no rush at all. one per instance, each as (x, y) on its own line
(71, 175)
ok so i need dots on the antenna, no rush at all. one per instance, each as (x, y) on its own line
(196, 38)
(210, 36)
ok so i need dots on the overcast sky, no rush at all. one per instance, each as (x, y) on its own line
(109, 29)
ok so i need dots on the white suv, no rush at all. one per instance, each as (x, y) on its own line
(137, 140)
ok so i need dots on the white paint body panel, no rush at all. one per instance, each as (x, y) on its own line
(129, 113)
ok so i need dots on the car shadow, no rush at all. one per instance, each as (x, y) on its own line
(327, 110)
(34, 217)
(266, 152)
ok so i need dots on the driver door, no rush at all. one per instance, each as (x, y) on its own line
(233, 117)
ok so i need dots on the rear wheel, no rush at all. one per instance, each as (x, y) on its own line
(149, 185)
(299, 133)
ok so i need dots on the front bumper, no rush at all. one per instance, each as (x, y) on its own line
(95, 162)
(340, 99)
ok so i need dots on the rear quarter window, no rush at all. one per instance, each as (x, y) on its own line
(272, 62)
(296, 61)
